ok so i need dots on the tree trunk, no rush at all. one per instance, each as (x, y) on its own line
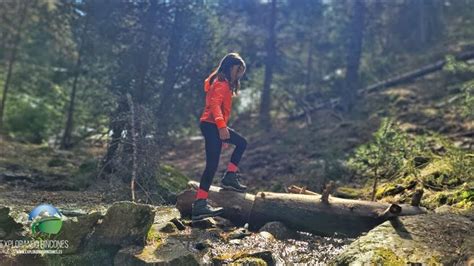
(117, 121)
(66, 142)
(298, 211)
(12, 60)
(143, 57)
(354, 51)
(265, 104)
(117, 125)
(134, 146)
(172, 63)
(421, 29)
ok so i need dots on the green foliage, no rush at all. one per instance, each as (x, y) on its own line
(85, 174)
(169, 182)
(467, 87)
(385, 155)
(28, 120)
(462, 198)
(171, 179)
(461, 164)
(56, 162)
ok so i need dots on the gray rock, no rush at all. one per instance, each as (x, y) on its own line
(172, 252)
(23, 259)
(75, 230)
(239, 233)
(124, 224)
(278, 230)
(268, 236)
(427, 239)
(235, 241)
(265, 255)
(203, 245)
(249, 261)
(223, 222)
(163, 215)
(178, 224)
(129, 256)
(9, 228)
(169, 228)
(204, 223)
(257, 257)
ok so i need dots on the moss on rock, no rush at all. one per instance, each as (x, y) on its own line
(424, 239)
(386, 256)
(170, 182)
(250, 261)
(99, 256)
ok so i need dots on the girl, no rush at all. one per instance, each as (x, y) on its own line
(220, 86)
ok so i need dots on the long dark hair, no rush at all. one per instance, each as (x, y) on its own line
(223, 70)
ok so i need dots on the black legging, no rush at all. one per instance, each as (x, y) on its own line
(213, 151)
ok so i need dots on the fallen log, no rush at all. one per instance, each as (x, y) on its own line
(405, 77)
(387, 83)
(298, 211)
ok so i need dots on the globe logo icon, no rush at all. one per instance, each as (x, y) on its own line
(45, 218)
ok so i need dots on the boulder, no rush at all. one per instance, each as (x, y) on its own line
(249, 261)
(163, 215)
(169, 228)
(9, 228)
(422, 239)
(257, 257)
(204, 223)
(223, 223)
(179, 225)
(76, 229)
(172, 252)
(239, 233)
(124, 224)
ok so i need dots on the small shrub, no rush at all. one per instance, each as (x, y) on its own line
(28, 122)
(384, 157)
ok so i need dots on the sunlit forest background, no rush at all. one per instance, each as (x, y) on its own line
(366, 102)
(373, 95)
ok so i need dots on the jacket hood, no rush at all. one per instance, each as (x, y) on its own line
(207, 82)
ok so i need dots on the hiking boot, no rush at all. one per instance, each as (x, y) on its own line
(231, 181)
(201, 210)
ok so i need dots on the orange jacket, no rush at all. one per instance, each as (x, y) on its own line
(218, 102)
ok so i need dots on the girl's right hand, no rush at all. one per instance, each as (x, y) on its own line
(224, 133)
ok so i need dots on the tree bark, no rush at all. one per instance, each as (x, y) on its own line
(172, 63)
(143, 57)
(134, 146)
(12, 60)
(354, 51)
(66, 142)
(117, 125)
(265, 103)
(298, 211)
